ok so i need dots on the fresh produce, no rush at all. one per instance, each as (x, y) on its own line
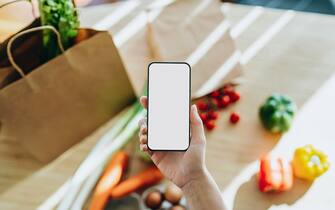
(202, 105)
(234, 118)
(173, 194)
(84, 179)
(203, 116)
(275, 175)
(309, 163)
(234, 96)
(216, 100)
(82, 35)
(146, 178)
(212, 115)
(154, 199)
(62, 15)
(89, 171)
(277, 113)
(225, 100)
(109, 179)
(210, 124)
(215, 94)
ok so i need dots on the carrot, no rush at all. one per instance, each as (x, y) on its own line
(111, 177)
(146, 178)
(82, 35)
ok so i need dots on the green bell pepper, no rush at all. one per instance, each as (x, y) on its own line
(277, 113)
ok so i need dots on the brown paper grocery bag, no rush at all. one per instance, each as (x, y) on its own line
(195, 31)
(65, 99)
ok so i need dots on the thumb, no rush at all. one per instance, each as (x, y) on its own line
(197, 128)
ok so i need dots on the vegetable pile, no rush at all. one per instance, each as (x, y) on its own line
(276, 174)
(87, 175)
(215, 101)
(111, 186)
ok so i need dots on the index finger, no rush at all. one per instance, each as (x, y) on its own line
(144, 101)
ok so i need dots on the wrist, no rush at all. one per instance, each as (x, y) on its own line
(195, 180)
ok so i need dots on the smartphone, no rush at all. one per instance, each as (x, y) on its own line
(169, 90)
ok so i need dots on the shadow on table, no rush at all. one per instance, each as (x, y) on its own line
(248, 195)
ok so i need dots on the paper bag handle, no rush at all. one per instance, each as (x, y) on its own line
(10, 42)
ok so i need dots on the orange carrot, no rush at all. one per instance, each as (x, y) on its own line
(111, 177)
(146, 178)
(82, 35)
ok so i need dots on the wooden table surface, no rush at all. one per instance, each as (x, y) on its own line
(283, 51)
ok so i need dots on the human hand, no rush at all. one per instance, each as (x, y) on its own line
(179, 167)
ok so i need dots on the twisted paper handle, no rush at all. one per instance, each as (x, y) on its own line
(10, 42)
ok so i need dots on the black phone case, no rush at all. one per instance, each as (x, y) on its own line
(189, 107)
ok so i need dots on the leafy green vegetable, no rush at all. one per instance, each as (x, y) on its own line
(62, 15)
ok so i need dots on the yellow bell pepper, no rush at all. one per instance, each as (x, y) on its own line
(309, 163)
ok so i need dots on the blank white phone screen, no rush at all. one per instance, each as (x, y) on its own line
(168, 106)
